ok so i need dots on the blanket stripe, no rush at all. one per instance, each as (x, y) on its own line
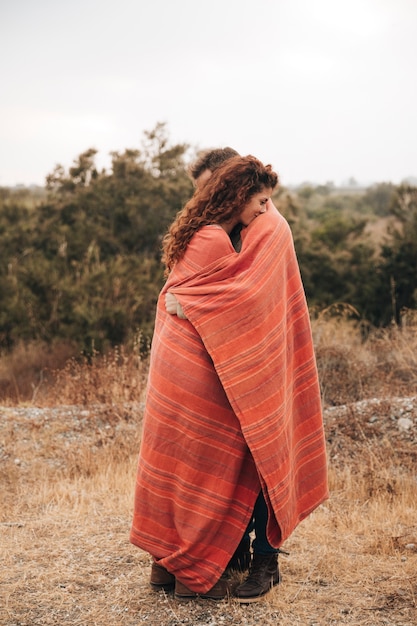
(233, 404)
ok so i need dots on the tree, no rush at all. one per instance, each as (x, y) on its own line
(89, 267)
(81, 174)
(399, 254)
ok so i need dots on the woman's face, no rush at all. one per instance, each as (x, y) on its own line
(255, 206)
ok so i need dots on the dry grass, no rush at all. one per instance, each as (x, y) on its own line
(114, 378)
(67, 474)
(54, 375)
(29, 368)
(356, 362)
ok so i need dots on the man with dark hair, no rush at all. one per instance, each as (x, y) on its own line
(200, 171)
(207, 162)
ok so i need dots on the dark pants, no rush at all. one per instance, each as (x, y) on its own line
(260, 544)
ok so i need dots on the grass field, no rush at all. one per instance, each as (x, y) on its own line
(67, 469)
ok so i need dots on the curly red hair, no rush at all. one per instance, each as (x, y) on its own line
(223, 197)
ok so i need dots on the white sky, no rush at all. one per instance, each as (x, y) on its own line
(322, 89)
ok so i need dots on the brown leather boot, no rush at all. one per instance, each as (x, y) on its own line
(161, 579)
(263, 575)
(184, 593)
(218, 592)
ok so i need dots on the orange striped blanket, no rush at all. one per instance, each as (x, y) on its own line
(233, 404)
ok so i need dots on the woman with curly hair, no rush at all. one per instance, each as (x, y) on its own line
(232, 417)
(234, 194)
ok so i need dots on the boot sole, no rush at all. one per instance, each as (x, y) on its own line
(163, 587)
(185, 598)
(253, 599)
(198, 597)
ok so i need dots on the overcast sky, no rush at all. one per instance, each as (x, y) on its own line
(324, 90)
